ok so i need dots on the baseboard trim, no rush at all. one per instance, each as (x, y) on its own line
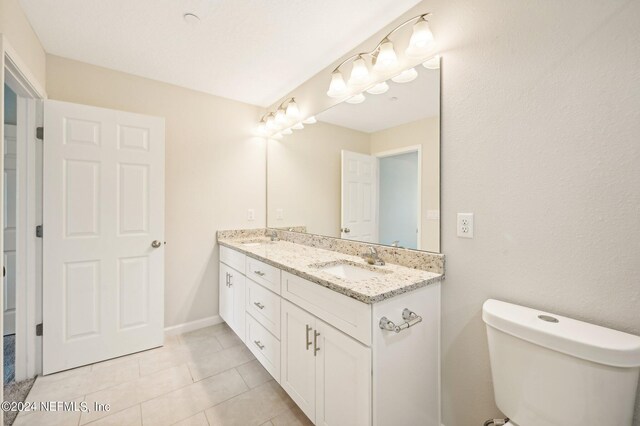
(185, 327)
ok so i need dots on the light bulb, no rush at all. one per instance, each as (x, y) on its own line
(359, 73)
(379, 88)
(433, 63)
(337, 88)
(277, 136)
(422, 41)
(262, 129)
(281, 118)
(310, 120)
(293, 113)
(287, 131)
(298, 126)
(357, 99)
(406, 76)
(386, 60)
(271, 122)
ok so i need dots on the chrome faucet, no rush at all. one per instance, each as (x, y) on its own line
(372, 257)
(274, 235)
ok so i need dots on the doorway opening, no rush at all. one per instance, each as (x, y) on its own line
(9, 232)
(399, 199)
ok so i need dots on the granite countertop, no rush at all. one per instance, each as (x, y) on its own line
(304, 261)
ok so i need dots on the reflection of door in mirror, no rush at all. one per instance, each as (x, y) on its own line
(381, 197)
(399, 205)
(359, 197)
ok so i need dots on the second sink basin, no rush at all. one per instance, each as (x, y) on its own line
(349, 270)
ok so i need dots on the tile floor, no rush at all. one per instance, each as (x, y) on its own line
(205, 377)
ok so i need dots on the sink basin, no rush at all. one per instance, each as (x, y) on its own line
(255, 243)
(350, 270)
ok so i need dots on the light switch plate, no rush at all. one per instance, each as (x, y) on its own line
(465, 225)
(251, 214)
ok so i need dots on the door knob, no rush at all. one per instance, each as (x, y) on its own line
(156, 244)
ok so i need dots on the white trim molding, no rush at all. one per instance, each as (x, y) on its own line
(185, 327)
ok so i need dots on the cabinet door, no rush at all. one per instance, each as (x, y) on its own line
(237, 284)
(343, 379)
(297, 371)
(225, 295)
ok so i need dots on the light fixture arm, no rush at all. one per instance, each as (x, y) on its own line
(385, 39)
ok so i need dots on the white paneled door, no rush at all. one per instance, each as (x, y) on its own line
(9, 229)
(103, 242)
(359, 197)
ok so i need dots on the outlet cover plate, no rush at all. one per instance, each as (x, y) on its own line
(465, 225)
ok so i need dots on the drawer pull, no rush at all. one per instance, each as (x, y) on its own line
(259, 344)
(230, 280)
(308, 341)
(315, 343)
(259, 273)
(259, 305)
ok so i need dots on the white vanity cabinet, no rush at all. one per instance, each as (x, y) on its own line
(232, 291)
(327, 373)
(328, 351)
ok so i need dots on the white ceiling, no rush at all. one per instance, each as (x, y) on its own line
(252, 51)
(403, 103)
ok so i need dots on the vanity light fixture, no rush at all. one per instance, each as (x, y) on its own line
(359, 73)
(386, 59)
(379, 88)
(298, 126)
(292, 112)
(406, 76)
(383, 58)
(281, 118)
(356, 99)
(270, 122)
(433, 63)
(422, 41)
(337, 88)
(310, 120)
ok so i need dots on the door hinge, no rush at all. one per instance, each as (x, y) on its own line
(39, 329)
(39, 231)
(40, 133)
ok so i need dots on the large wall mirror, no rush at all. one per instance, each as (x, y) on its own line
(368, 171)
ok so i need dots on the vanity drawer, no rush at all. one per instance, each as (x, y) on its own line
(264, 346)
(263, 274)
(343, 312)
(232, 258)
(264, 306)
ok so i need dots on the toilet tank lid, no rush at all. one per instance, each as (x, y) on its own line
(572, 337)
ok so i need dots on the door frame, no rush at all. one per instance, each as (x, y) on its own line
(20, 79)
(399, 151)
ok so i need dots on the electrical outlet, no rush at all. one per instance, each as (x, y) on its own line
(279, 214)
(465, 225)
(251, 215)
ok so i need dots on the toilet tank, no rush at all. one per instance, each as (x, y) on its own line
(550, 370)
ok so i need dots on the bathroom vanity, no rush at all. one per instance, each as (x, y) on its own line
(351, 343)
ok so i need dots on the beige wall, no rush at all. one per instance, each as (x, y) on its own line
(215, 171)
(23, 40)
(540, 125)
(425, 133)
(304, 176)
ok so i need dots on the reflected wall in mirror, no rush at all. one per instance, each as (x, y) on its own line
(368, 171)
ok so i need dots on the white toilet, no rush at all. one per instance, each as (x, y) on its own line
(550, 370)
